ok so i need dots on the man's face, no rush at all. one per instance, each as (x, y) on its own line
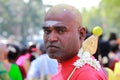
(61, 36)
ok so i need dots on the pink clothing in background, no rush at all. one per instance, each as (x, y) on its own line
(20, 63)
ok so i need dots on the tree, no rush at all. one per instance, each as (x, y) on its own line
(16, 17)
(92, 18)
(111, 9)
(105, 15)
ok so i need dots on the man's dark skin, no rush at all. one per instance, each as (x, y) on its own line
(63, 37)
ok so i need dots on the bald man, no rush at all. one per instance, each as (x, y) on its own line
(63, 37)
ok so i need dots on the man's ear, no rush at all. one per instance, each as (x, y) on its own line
(82, 33)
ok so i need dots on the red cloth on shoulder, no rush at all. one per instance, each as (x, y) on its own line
(84, 73)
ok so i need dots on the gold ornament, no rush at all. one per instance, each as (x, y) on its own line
(90, 44)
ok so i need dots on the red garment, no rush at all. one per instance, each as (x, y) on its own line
(84, 73)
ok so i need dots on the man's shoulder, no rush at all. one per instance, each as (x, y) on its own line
(87, 68)
(87, 72)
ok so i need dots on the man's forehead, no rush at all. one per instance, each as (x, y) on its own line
(52, 23)
(60, 14)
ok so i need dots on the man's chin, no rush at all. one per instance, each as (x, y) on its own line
(52, 55)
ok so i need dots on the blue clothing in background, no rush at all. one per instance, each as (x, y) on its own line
(42, 62)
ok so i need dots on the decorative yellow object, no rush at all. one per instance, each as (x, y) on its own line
(89, 47)
(117, 71)
(110, 74)
(97, 31)
(90, 44)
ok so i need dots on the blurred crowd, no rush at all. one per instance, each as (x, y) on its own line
(108, 53)
(30, 62)
(25, 62)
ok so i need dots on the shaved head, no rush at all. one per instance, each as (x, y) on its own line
(69, 12)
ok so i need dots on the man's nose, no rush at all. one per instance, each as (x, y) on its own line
(53, 36)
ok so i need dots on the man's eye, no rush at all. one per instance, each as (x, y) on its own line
(60, 31)
(46, 31)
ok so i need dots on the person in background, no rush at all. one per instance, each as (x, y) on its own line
(118, 53)
(3, 73)
(118, 41)
(113, 57)
(109, 73)
(63, 38)
(13, 52)
(23, 61)
(117, 64)
(112, 36)
(117, 71)
(31, 50)
(40, 48)
(102, 51)
(42, 68)
(7, 58)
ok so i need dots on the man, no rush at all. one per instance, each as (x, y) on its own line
(63, 37)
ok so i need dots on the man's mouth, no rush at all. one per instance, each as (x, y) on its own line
(52, 46)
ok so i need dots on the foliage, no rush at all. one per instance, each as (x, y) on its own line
(105, 15)
(22, 19)
(17, 17)
(111, 8)
(91, 18)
